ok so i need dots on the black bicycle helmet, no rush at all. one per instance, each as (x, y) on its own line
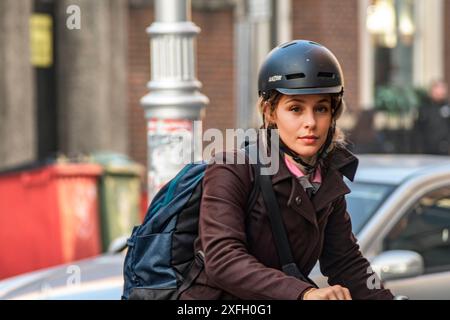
(300, 67)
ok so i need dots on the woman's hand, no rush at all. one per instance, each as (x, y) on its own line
(329, 293)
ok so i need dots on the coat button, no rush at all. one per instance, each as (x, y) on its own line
(298, 200)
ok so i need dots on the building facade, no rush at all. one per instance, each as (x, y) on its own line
(86, 99)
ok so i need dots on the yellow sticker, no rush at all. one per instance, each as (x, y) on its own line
(41, 36)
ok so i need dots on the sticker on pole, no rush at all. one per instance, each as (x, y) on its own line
(170, 148)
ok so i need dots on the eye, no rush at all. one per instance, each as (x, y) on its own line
(294, 108)
(322, 109)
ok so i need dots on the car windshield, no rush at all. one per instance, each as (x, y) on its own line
(364, 200)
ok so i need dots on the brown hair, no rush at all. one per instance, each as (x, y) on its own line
(274, 99)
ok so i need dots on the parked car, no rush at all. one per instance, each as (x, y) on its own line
(97, 278)
(400, 209)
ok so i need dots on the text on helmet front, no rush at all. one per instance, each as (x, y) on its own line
(274, 78)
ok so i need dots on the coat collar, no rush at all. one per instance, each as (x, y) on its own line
(340, 162)
(283, 172)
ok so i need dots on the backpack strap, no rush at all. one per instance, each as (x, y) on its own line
(278, 229)
(253, 197)
(197, 267)
(254, 193)
(251, 151)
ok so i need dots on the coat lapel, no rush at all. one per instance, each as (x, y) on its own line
(300, 202)
(298, 199)
(341, 163)
(331, 189)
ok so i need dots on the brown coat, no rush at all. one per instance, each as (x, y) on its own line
(245, 265)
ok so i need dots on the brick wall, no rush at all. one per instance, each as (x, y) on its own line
(335, 25)
(138, 76)
(330, 22)
(214, 69)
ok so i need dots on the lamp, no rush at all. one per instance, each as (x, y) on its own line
(381, 22)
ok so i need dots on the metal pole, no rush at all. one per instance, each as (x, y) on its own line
(174, 101)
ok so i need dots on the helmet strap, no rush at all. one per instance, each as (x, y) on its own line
(322, 154)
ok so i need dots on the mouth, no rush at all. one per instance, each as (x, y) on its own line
(311, 139)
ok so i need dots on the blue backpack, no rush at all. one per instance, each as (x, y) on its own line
(161, 250)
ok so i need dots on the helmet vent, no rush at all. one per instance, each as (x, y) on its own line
(326, 75)
(295, 76)
(289, 44)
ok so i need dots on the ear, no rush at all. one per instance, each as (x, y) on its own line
(269, 116)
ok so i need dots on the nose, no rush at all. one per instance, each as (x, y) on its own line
(309, 119)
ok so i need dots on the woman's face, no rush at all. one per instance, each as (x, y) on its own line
(303, 122)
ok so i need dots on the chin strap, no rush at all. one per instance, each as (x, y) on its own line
(284, 149)
(322, 154)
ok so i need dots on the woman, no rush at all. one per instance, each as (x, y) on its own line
(301, 89)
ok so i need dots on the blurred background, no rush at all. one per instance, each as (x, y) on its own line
(74, 144)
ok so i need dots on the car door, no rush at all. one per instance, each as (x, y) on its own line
(424, 228)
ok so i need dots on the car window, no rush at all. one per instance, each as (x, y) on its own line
(425, 230)
(364, 200)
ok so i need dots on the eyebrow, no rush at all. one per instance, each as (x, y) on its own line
(303, 101)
